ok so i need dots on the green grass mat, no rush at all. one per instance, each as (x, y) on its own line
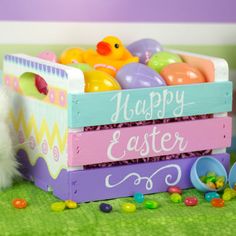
(169, 219)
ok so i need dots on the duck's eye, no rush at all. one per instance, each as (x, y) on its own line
(117, 45)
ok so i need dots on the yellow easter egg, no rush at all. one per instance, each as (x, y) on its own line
(71, 55)
(98, 81)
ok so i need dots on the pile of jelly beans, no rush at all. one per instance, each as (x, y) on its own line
(213, 181)
(176, 196)
(130, 207)
(61, 206)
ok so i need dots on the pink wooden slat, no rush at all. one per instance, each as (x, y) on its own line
(147, 141)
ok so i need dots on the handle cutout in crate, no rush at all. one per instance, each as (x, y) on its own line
(33, 85)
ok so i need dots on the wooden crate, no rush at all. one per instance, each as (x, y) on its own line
(54, 148)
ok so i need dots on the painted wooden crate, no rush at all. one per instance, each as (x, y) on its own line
(55, 148)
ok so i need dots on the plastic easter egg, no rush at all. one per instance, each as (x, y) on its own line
(161, 59)
(98, 81)
(71, 55)
(82, 66)
(48, 56)
(137, 75)
(202, 166)
(144, 49)
(182, 73)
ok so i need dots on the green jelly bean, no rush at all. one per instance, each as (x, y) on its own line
(176, 198)
(211, 179)
(203, 179)
(128, 207)
(151, 204)
(211, 173)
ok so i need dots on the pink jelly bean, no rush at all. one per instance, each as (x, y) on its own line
(174, 189)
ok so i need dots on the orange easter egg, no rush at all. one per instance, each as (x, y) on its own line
(98, 81)
(181, 73)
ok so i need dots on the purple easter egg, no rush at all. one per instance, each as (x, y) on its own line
(137, 75)
(144, 49)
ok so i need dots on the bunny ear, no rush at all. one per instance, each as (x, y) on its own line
(4, 102)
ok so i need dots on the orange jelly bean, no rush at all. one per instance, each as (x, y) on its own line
(19, 203)
(217, 202)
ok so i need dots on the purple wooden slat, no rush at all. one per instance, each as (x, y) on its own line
(90, 185)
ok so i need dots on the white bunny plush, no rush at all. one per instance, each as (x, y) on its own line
(8, 163)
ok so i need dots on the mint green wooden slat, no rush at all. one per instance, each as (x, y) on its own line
(88, 109)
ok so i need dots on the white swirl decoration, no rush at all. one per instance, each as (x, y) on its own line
(149, 182)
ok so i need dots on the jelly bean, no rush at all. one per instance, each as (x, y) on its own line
(176, 197)
(211, 179)
(221, 178)
(203, 178)
(211, 173)
(138, 197)
(231, 192)
(151, 204)
(211, 185)
(210, 195)
(128, 207)
(217, 202)
(104, 207)
(58, 206)
(219, 184)
(190, 201)
(227, 196)
(19, 203)
(174, 189)
(71, 204)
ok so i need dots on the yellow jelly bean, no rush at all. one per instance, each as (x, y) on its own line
(219, 184)
(128, 207)
(227, 196)
(58, 206)
(71, 204)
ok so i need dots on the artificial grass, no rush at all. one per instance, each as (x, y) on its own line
(169, 219)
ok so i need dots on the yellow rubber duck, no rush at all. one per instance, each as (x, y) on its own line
(110, 56)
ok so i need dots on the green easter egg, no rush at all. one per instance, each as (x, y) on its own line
(161, 59)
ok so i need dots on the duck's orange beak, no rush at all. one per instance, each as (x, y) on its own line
(103, 48)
